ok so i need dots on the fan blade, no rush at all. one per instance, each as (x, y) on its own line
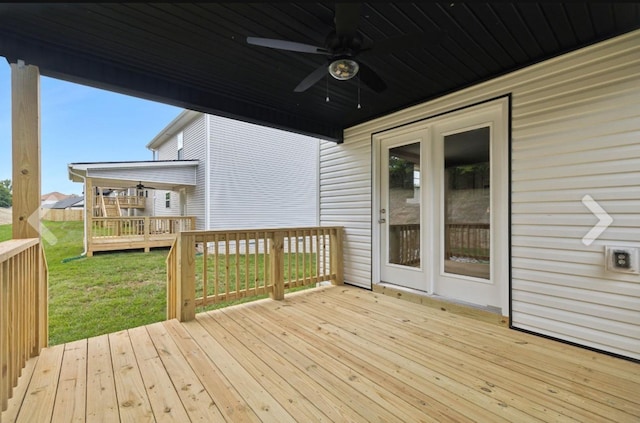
(371, 79)
(285, 45)
(347, 18)
(311, 79)
(404, 42)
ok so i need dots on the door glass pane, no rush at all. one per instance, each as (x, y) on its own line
(467, 196)
(404, 205)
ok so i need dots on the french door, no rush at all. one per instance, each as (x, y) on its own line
(443, 206)
(401, 209)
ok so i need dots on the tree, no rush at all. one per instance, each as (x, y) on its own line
(7, 184)
(5, 193)
(5, 197)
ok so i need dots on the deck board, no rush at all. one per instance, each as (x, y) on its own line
(72, 386)
(101, 390)
(329, 354)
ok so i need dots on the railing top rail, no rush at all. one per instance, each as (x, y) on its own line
(252, 231)
(13, 247)
(141, 217)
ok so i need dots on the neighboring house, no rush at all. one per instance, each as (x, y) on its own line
(69, 209)
(208, 173)
(529, 150)
(248, 176)
(52, 198)
(73, 202)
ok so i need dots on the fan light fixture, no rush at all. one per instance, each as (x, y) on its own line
(343, 69)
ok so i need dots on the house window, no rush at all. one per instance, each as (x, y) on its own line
(180, 144)
(167, 200)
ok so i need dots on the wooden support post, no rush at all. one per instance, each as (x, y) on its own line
(186, 275)
(25, 109)
(89, 206)
(337, 257)
(276, 257)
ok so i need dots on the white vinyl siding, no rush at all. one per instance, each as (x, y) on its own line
(345, 199)
(178, 175)
(167, 151)
(194, 149)
(575, 131)
(261, 177)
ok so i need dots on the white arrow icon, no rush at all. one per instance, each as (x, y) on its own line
(604, 220)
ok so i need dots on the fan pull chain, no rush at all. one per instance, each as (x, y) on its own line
(327, 84)
(359, 106)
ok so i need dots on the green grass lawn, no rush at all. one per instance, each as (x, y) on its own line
(5, 232)
(102, 294)
(105, 293)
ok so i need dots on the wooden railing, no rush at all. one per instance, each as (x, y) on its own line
(23, 309)
(404, 244)
(144, 232)
(142, 226)
(469, 240)
(207, 267)
(124, 201)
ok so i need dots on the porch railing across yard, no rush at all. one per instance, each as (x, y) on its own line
(23, 309)
(125, 201)
(208, 267)
(470, 240)
(143, 226)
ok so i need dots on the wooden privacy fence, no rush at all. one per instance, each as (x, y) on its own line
(23, 309)
(62, 215)
(207, 267)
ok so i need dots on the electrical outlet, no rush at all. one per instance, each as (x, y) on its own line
(622, 259)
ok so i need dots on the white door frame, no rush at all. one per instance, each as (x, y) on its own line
(415, 277)
(500, 176)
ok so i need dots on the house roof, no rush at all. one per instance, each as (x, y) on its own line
(53, 196)
(195, 55)
(66, 203)
(157, 174)
(172, 128)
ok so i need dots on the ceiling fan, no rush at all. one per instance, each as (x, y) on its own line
(342, 47)
(141, 187)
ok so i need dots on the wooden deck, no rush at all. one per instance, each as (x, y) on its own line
(328, 354)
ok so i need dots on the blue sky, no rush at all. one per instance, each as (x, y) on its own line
(82, 124)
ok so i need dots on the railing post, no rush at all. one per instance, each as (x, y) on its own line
(5, 358)
(172, 289)
(276, 257)
(186, 277)
(147, 223)
(42, 313)
(337, 257)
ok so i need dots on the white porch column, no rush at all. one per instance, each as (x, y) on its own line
(25, 120)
